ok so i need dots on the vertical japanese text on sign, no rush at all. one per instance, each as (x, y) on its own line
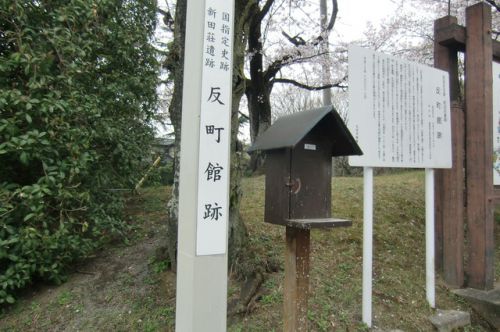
(213, 163)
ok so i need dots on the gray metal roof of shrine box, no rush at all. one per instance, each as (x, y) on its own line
(289, 130)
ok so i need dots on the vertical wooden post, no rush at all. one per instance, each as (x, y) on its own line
(479, 147)
(296, 279)
(449, 195)
(453, 207)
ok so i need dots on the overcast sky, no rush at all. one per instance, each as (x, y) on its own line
(354, 15)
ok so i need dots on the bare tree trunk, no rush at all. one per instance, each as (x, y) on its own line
(258, 91)
(241, 256)
(259, 106)
(175, 65)
(327, 94)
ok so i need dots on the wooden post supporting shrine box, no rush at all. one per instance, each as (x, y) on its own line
(299, 150)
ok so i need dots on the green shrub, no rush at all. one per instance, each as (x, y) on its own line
(77, 96)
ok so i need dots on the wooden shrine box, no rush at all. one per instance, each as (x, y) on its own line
(299, 150)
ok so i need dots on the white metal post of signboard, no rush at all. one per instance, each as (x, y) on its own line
(368, 241)
(429, 238)
(201, 299)
(367, 244)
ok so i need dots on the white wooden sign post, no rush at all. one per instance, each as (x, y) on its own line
(496, 123)
(201, 301)
(215, 130)
(399, 113)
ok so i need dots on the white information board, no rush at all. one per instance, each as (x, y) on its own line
(215, 130)
(399, 112)
(496, 123)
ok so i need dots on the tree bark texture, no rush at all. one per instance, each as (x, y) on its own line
(238, 236)
(175, 65)
(258, 89)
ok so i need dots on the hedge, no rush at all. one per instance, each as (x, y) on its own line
(77, 98)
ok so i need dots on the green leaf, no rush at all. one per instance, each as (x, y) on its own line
(10, 299)
(28, 118)
(28, 216)
(24, 158)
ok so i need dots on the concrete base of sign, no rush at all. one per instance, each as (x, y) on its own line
(447, 320)
(486, 303)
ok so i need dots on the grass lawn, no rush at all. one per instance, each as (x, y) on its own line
(336, 263)
(126, 287)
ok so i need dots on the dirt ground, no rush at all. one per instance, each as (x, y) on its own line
(122, 288)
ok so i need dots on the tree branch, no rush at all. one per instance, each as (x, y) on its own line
(296, 40)
(299, 41)
(264, 10)
(167, 18)
(276, 66)
(331, 23)
(494, 4)
(161, 11)
(333, 17)
(243, 115)
(308, 87)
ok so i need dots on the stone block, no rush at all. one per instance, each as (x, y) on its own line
(485, 302)
(447, 320)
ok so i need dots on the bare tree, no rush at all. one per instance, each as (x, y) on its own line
(263, 76)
